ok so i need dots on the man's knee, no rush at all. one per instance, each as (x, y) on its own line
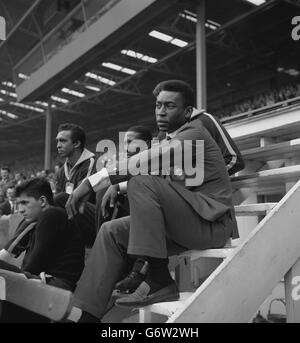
(138, 181)
(114, 229)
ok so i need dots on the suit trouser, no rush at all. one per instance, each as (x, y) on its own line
(122, 211)
(161, 223)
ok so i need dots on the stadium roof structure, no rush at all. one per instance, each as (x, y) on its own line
(109, 87)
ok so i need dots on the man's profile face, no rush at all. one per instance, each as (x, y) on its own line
(169, 111)
(65, 145)
(29, 207)
(133, 144)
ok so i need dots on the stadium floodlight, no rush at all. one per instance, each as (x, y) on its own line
(160, 35)
(23, 76)
(3, 91)
(111, 66)
(43, 103)
(168, 39)
(139, 56)
(179, 42)
(293, 72)
(93, 88)
(28, 107)
(128, 71)
(188, 15)
(8, 84)
(58, 99)
(100, 79)
(257, 2)
(72, 92)
(9, 114)
(118, 68)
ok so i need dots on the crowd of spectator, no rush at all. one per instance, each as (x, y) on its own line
(9, 180)
(261, 100)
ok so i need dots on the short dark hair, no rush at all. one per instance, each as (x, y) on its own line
(77, 132)
(143, 132)
(5, 168)
(179, 86)
(35, 188)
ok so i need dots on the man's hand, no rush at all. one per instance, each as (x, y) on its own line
(78, 199)
(110, 197)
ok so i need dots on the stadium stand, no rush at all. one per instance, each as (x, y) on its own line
(64, 70)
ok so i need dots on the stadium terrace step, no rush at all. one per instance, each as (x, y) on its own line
(267, 178)
(273, 151)
(192, 267)
(245, 277)
(48, 301)
(254, 209)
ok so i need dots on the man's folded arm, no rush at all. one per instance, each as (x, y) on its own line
(157, 160)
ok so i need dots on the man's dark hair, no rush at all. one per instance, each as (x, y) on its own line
(77, 133)
(5, 168)
(35, 188)
(179, 86)
(143, 133)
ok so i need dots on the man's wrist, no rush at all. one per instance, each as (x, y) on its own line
(99, 180)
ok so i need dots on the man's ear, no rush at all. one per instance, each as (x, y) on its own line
(43, 201)
(76, 144)
(188, 112)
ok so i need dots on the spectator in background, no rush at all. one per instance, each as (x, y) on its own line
(2, 196)
(79, 163)
(54, 250)
(266, 99)
(5, 178)
(114, 203)
(19, 177)
(10, 205)
(44, 173)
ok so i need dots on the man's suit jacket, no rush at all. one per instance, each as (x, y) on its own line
(5, 208)
(212, 198)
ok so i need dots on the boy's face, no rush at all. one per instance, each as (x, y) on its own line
(30, 207)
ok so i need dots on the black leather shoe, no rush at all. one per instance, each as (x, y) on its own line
(133, 280)
(142, 296)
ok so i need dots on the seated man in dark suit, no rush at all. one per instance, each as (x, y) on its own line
(54, 252)
(114, 203)
(168, 213)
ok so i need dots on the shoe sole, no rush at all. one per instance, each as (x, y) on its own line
(119, 295)
(158, 299)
